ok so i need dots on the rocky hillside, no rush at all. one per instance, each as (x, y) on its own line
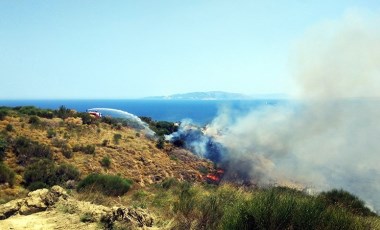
(130, 154)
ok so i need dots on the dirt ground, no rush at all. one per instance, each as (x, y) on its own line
(45, 221)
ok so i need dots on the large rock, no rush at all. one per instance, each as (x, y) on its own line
(36, 201)
(137, 217)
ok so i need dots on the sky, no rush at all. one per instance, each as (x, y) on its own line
(131, 49)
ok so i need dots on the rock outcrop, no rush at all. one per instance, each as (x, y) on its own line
(56, 199)
(36, 201)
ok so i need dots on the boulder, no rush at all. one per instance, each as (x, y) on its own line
(36, 201)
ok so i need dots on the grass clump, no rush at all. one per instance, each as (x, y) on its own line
(106, 162)
(67, 152)
(227, 207)
(116, 138)
(50, 133)
(34, 120)
(87, 149)
(109, 185)
(9, 128)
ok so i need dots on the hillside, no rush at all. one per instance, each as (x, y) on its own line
(114, 177)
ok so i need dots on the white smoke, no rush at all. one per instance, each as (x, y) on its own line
(329, 138)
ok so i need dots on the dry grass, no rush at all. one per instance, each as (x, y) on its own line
(134, 157)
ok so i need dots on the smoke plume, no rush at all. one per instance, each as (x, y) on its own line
(328, 137)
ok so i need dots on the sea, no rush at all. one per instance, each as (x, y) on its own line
(200, 112)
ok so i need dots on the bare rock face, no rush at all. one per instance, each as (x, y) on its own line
(137, 217)
(36, 201)
(56, 198)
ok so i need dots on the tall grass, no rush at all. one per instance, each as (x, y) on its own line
(227, 207)
(107, 184)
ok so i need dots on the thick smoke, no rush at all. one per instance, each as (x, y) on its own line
(328, 137)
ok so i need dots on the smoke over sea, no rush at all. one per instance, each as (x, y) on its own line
(329, 137)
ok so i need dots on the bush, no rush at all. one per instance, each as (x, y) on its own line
(31, 110)
(34, 120)
(160, 143)
(105, 142)
(87, 118)
(7, 175)
(3, 114)
(3, 147)
(9, 128)
(46, 172)
(169, 182)
(37, 185)
(276, 209)
(51, 133)
(41, 171)
(63, 112)
(106, 162)
(59, 142)
(107, 184)
(67, 152)
(346, 200)
(88, 149)
(116, 138)
(66, 172)
(27, 150)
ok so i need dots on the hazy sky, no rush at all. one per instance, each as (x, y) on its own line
(131, 49)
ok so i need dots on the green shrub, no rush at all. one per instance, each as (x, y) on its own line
(106, 162)
(51, 133)
(63, 112)
(87, 217)
(65, 172)
(169, 182)
(107, 184)
(88, 149)
(37, 185)
(31, 110)
(3, 114)
(45, 171)
(42, 170)
(346, 200)
(27, 150)
(67, 152)
(87, 118)
(7, 175)
(160, 143)
(34, 120)
(3, 147)
(9, 128)
(276, 209)
(116, 138)
(59, 142)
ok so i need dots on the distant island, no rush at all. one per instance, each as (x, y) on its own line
(215, 95)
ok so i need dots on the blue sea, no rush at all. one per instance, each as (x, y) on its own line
(201, 112)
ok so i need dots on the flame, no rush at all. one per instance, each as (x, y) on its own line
(212, 177)
(215, 177)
